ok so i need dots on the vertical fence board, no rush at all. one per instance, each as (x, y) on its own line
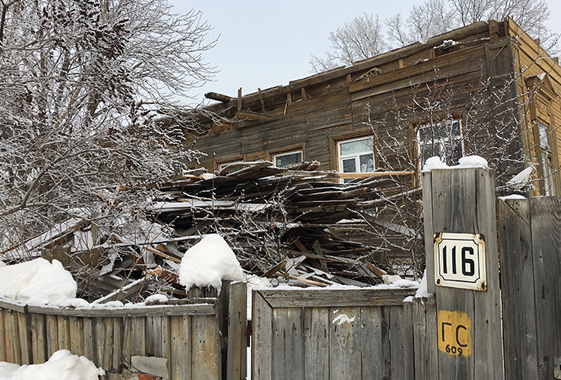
(345, 351)
(138, 336)
(14, 347)
(99, 340)
(25, 338)
(118, 338)
(89, 338)
(176, 347)
(38, 338)
(3, 336)
(187, 347)
(127, 340)
(546, 243)
(52, 335)
(107, 358)
(316, 343)
(205, 347)
(401, 336)
(76, 328)
(63, 333)
(425, 338)
(374, 365)
(236, 360)
(262, 333)
(287, 344)
(517, 284)
(487, 327)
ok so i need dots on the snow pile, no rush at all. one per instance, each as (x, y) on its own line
(522, 179)
(208, 263)
(473, 162)
(464, 162)
(61, 366)
(434, 163)
(37, 282)
(422, 291)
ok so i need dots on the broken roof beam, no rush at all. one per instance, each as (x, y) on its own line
(218, 97)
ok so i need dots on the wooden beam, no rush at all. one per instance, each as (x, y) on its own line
(253, 115)
(261, 100)
(240, 99)
(219, 97)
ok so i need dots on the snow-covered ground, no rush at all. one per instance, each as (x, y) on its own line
(62, 365)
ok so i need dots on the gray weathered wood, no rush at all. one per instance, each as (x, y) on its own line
(316, 343)
(517, 283)
(38, 338)
(3, 335)
(287, 344)
(345, 343)
(262, 335)
(463, 201)
(376, 349)
(425, 338)
(335, 298)
(236, 361)
(205, 348)
(546, 246)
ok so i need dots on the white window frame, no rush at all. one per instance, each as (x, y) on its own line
(289, 153)
(444, 141)
(356, 156)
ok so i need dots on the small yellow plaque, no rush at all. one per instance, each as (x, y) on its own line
(454, 333)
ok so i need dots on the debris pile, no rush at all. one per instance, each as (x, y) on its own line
(293, 224)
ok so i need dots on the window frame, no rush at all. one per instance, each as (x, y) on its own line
(442, 140)
(356, 156)
(276, 155)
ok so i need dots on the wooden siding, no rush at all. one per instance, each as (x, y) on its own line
(531, 60)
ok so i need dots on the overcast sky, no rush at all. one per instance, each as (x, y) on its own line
(263, 44)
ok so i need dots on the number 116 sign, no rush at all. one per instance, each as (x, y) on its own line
(459, 261)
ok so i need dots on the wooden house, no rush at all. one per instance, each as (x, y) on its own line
(486, 89)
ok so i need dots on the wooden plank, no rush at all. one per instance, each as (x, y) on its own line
(14, 345)
(127, 340)
(176, 354)
(314, 297)
(38, 338)
(517, 284)
(25, 338)
(118, 344)
(187, 309)
(52, 335)
(99, 341)
(108, 346)
(63, 333)
(425, 338)
(426, 185)
(236, 361)
(316, 343)
(287, 344)
(401, 338)
(261, 349)
(545, 214)
(206, 351)
(76, 329)
(138, 336)
(3, 336)
(345, 340)
(89, 339)
(375, 349)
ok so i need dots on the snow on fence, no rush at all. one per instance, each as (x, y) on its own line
(363, 333)
(179, 341)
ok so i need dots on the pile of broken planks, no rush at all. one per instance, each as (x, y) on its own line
(285, 223)
(282, 223)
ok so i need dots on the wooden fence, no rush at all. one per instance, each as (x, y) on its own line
(530, 253)
(342, 334)
(180, 341)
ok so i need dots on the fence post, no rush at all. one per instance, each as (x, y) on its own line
(460, 203)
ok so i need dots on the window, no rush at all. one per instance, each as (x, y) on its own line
(356, 156)
(546, 160)
(286, 159)
(442, 139)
